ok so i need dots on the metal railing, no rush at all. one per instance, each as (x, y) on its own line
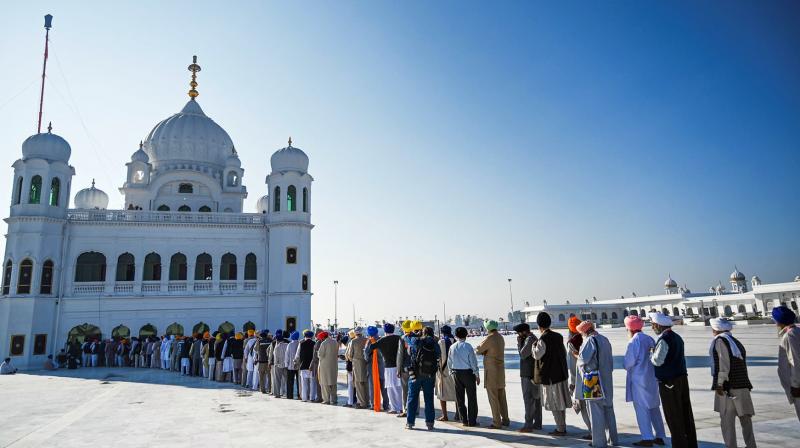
(83, 215)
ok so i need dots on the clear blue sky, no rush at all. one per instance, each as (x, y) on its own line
(582, 148)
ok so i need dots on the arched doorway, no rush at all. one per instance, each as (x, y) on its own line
(200, 328)
(174, 329)
(226, 327)
(147, 330)
(82, 332)
(121, 332)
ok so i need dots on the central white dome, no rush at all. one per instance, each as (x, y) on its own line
(188, 136)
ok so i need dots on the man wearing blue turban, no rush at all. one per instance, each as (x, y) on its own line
(788, 354)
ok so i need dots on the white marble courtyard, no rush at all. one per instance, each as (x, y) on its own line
(142, 407)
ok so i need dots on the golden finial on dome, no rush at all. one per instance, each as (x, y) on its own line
(290, 142)
(194, 68)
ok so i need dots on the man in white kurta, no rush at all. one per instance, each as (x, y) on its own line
(641, 387)
(596, 355)
(731, 384)
(249, 360)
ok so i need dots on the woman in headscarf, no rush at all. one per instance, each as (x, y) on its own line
(445, 383)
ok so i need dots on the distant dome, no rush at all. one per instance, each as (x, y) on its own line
(736, 275)
(91, 198)
(46, 146)
(289, 159)
(140, 155)
(263, 204)
(188, 136)
(670, 283)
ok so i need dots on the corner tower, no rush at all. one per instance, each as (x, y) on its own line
(289, 226)
(32, 263)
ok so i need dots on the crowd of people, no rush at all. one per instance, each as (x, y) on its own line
(387, 373)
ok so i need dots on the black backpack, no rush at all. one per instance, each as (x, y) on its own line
(425, 362)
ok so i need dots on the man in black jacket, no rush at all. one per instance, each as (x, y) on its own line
(387, 346)
(531, 393)
(550, 370)
(305, 354)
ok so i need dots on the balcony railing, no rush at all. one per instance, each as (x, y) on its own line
(151, 286)
(88, 288)
(123, 287)
(83, 215)
(202, 285)
(227, 285)
(176, 285)
(250, 285)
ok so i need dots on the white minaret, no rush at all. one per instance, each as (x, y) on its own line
(738, 281)
(289, 226)
(32, 265)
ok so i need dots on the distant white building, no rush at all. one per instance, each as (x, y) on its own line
(679, 302)
(180, 258)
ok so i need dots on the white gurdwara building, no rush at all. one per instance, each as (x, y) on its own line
(181, 258)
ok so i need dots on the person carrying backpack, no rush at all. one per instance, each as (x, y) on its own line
(425, 355)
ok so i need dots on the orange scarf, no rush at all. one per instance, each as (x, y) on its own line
(376, 380)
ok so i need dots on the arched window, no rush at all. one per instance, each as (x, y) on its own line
(121, 332)
(291, 199)
(200, 328)
(55, 190)
(7, 278)
(233, 179)
(742, 309)
(226, 327)
(305, 200)
(728, 311)
(594, 316)
(228, 210)
(642, 313)
(185, 188)
(203, 268)
(634, 313)
(277, 199)
(291, 255)
(624, 313)
(35, 195)
(25, 275)
(676, 311)
(604, 316)
(184, 208)
(152, 267)
(175, 329)
(304, 282)
(561, 317)
(248, 326)
(163, 208)
(177, 267)
(614, 315)
(665, 311)
(126, 268)
(204, 209)
(90, 267)
(82, 332)
(147, 331)
(250, 267)
(18, 198)
(228, 268)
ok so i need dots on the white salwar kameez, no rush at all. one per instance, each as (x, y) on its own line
(641, 387)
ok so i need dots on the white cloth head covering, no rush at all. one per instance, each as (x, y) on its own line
(735, 352)
(660, 319)
(721, 324)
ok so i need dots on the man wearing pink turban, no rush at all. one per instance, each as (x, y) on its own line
(640, 384)
(596, 355)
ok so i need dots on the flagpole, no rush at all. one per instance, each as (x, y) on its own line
(48, 23)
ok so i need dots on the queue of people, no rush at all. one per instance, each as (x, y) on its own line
(387, 373)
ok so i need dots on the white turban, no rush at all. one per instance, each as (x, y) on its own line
(660, 319)
(721, 324)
